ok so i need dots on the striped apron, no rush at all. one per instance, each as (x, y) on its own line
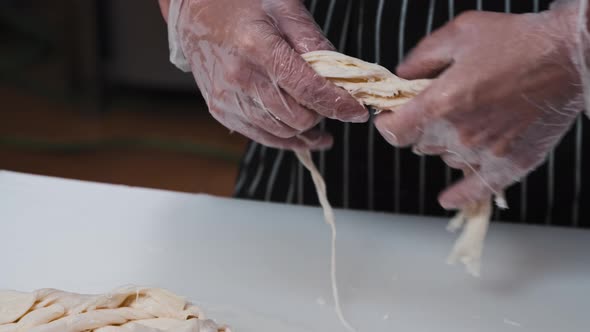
(363, 171)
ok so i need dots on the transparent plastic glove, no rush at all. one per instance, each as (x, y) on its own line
(245, 56)
(582, 51)
(506, 93)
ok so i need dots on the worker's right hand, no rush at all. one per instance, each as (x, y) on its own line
(245, 57)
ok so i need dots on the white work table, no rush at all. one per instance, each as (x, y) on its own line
(265, 267)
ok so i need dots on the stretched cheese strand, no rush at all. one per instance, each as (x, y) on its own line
(304, 157)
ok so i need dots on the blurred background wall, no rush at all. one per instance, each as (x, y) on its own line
(88, 93)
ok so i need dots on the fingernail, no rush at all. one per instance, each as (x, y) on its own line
(361, 118)
(321, 146)
(456, 202)
(391, 138)
(447, 205)
(310, 138)
(448, 202)
(417, 151)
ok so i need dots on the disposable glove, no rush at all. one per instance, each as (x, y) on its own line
(245, 56)
(506, 92)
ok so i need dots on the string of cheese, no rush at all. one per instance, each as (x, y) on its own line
(304, 157)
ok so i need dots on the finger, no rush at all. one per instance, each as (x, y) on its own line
(317, 140)
(469, 190)
(314, 140)
(431, 56)
(298, 79)
(457, 162)
(429, 150)
(283, 107)
(260, 116)
(403, 126)
(446, 95)
(400, 128)
(299, 27)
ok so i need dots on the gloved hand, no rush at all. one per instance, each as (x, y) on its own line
(245, 57)
(506, 93)
(582, 51)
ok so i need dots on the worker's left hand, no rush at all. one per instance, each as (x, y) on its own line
(506, 93)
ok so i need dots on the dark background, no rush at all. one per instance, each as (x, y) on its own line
(88, 92)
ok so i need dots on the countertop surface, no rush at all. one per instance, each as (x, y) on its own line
(265, 267)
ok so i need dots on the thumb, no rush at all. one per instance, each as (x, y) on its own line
(298, 27)
(430, 57)
(404, 125)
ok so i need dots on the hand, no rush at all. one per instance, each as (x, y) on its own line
(246, 58)
(506, 93)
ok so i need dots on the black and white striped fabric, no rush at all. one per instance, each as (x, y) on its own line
(363, 171)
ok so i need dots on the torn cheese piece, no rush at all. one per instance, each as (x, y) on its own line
(127, 309)
(468, 248)
(377, 87)
(369, 83)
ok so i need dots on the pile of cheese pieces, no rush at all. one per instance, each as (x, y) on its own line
(128, 309)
